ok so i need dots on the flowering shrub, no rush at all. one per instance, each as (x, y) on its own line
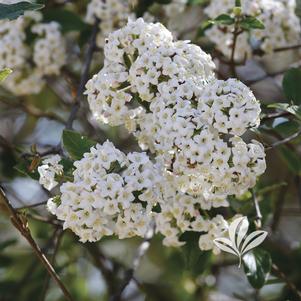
(150, 125)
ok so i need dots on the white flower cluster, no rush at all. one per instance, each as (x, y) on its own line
(113, 14)
(181, 212)
(117, 194)
(141, 63)
(108, 194)
(282, 26)
(30, 64)
(49, 170)
(229, 106)
(166, 94)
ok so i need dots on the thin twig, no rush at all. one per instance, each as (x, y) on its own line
(45, 220)
(275, 115)
(236, 33)
(32, 205)
(284, 141)
(298, 187)
(84, 76)
(56, 243)
(129, 275)
(278, 207)
(287, 48)
(33, 111)
(289, 284)
(106, 266)
(20, 224)
(258, 217)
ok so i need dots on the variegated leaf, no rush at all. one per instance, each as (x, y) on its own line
(226, 245)
(233, 230)
(242, 231)
(239, 244)
(253, 240)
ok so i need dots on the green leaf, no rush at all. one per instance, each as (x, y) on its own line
(204, 26)
(196, 261)
(292, 159)
(287, 128)
(224, 19)
(251, 23)
(5, 261)
(67, 19)
(7, 243)
(127, 61)
(24, 168)
(13, 11)
(163, 1)
(198, 2)
(76, 144)
(291, 85)
(271, 188)
(4, 73)
(292, 109)
(257, 266)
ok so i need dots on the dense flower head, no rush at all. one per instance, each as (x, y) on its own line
(106, 194)
(183, 112)
(117, 194)
(142, 62)
(229, 106)
(282, 27)
(181, 212)
(30, 62)
(166, 94)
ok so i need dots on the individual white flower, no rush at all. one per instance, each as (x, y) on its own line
(48, 171)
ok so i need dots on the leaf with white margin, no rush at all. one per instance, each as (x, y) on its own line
(233, 230)
(242, 231)
(226, 245)
(237, 234)
(253, 240)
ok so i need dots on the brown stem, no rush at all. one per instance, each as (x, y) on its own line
(106, 266)
(275, 115)
(129, 276)
(298, 187)
(278, 207)
(84, 76)
(32, 205)
(287, 48)
(21, 225)
(289, 284)
(33, 111)
(284, 141)
(258, 218)
(232, 63)
(56, 242)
